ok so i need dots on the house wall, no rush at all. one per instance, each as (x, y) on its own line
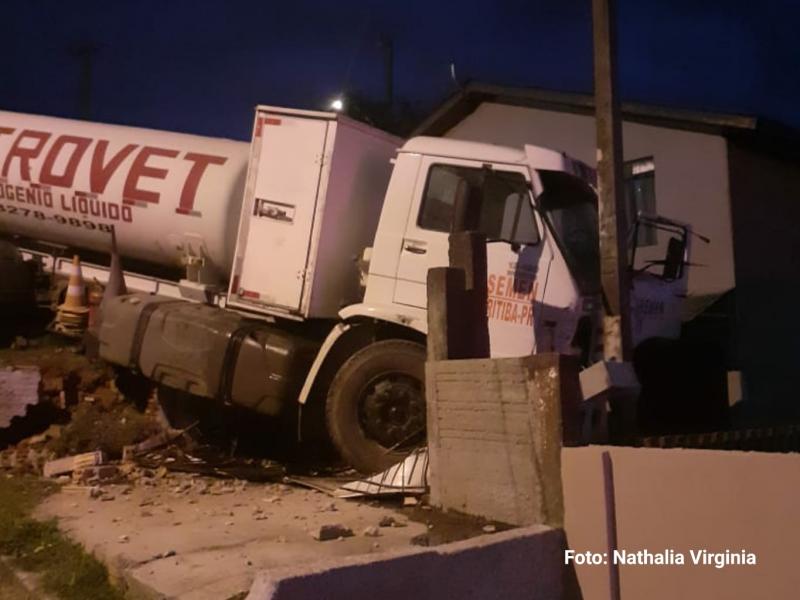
(765, 203)
(691, 174)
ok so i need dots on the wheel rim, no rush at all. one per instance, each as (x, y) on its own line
(392, 410)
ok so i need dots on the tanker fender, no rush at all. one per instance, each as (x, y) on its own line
(403, 316)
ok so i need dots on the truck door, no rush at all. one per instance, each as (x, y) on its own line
(281, 205)
(514, 250)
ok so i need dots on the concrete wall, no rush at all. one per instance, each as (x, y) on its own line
(522, 564)
(494, 433)
(691, 174)
(688, 499)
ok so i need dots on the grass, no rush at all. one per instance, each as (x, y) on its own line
(66, 570)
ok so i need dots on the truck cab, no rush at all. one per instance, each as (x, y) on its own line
(538, 211)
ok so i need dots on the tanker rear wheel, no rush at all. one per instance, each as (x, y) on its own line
(375, 410)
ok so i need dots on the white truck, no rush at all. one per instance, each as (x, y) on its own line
(293, 271)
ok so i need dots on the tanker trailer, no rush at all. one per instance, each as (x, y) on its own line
(173, 199)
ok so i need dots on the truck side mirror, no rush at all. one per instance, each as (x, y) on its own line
(673, 261)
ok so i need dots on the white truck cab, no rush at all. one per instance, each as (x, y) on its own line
(538, 211)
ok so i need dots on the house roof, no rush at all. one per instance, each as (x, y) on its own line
(461, 104)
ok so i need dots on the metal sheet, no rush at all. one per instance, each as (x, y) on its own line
(408, 477)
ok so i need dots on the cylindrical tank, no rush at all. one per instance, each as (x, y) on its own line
(167, 195)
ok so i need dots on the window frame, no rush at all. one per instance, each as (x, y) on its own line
(647, 236)
(491, 168)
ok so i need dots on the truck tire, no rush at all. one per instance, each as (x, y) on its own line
(375, 410)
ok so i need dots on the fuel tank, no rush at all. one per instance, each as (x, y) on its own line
(206, 351)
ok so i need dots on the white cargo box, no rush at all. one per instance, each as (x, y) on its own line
(314, 193)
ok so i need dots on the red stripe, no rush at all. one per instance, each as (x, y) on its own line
(249, 294)
(271, 121)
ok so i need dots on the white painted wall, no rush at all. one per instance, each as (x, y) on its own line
(691, 174)
(681, 499)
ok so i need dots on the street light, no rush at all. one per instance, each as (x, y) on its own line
(337, 104)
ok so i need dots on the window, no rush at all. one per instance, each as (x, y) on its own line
(569, 206)
(640, 195)
(498, 202)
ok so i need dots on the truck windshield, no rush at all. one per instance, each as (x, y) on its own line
(569, 206)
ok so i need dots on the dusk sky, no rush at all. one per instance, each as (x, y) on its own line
(200, 66)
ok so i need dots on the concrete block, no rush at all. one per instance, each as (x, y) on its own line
(518, 564)
(73, 463)
(446, 297)
(457, 295)
(495, 432)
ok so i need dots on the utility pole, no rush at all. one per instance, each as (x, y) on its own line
(612, 214)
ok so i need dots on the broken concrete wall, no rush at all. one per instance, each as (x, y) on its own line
(519, 564)
(19, 389)
(681, 500)
(494, 434)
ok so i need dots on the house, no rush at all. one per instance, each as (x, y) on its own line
(735, 179)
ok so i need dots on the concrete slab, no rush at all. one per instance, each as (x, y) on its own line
(190, 545)
(519, 564)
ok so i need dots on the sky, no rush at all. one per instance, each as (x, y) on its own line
(201, 66)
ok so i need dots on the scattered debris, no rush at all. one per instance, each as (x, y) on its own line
(390, 521)
(104, 473)
(211, 461)
(489, 528)
(152, 443)
(371, 531)
(89, 491)
(73, 463)
(53, 432)
(332, 532)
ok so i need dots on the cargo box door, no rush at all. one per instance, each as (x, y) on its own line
(282, 206)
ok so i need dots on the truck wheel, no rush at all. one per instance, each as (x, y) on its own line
(375, 409)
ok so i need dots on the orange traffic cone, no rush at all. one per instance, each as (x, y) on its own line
(73, 316)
